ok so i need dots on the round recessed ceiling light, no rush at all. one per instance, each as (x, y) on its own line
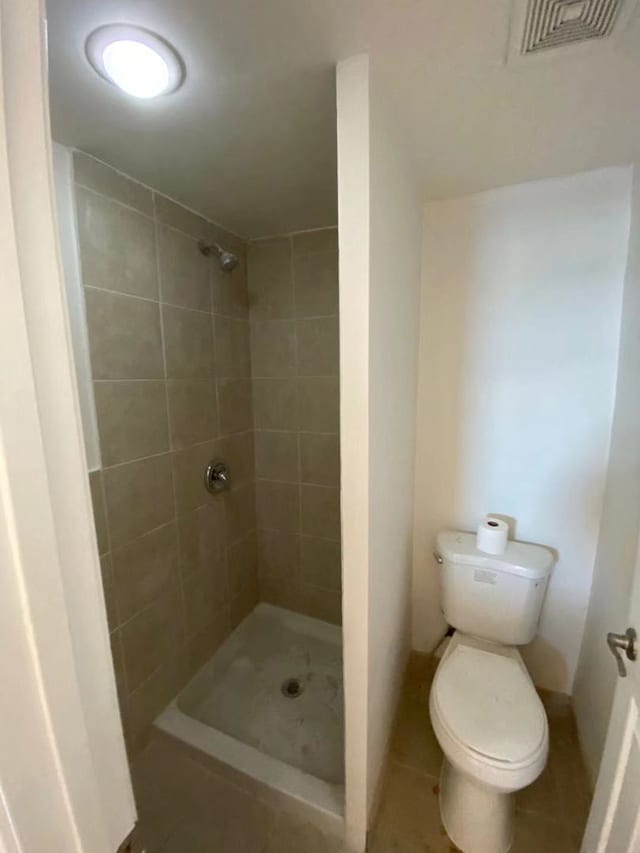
(135, 60)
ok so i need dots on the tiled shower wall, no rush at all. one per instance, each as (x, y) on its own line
(293, 291)
(169, 342)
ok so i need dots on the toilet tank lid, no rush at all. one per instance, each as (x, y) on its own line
(533, 562)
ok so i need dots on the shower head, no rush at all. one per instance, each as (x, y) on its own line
(227, 260)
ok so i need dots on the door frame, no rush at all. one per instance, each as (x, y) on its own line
(64, 779)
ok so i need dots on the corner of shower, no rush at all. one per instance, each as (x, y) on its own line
(212, 437)
(267, 712)
(266, 709)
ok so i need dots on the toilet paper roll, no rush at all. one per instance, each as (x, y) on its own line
(492, 535)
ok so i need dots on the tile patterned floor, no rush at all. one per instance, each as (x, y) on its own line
(183, 808)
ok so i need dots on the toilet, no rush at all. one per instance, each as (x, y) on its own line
(485, 711)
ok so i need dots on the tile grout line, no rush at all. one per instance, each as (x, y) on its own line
(160, 302)
(229, 545)
(154, 193)
(170, 451)
(283, 431)
(293, 324)
(183, 626)
(255, 572)
(296, 358)
(253, 420)
(87, 188)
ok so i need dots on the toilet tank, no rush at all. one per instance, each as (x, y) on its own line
(495, 597)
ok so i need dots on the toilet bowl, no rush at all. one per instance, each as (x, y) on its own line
(493, 730)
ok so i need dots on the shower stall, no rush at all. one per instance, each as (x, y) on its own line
(208, 374)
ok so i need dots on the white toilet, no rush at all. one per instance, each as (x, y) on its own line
(484, 709)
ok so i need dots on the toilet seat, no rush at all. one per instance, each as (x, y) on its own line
(487, 715)
(489, 704)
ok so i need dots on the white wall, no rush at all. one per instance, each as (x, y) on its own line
(522, 291)
(352, 85)
(394, 305)
(380, 221)
(613, 575)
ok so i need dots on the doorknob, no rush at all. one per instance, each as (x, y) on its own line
(627, 643)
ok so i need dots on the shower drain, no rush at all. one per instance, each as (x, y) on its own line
(291, 688)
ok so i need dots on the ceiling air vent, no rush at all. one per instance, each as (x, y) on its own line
(556, 23)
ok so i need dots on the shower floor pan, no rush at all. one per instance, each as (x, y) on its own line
(270, 704)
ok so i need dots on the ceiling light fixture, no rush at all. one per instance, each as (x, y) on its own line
(135, 60)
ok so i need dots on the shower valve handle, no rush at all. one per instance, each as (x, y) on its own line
(216, 476)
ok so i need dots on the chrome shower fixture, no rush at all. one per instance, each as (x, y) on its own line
(227, 260)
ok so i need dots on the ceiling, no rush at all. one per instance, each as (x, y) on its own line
(249, 139)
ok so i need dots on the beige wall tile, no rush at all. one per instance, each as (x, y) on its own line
(277, 455)
(237, 451)
(227, 239)
(132, 419)
(202, 538)
(233, 351)
(273, 347)
(320, 240)
(240, 511)
(189, 468)
(144, 569)
(322, 604)
(278, 555)
(184, 270)
(193, 411)
(270, 279)
(243, 603)
(139, 498)
(320, 563)
(281, 592)
(317, 346)
(320, 511)
(230, 291)
(146, 702)
(289, 400)
(274, 403)
(107, 181)
(235, 405)
(318, 400)
(278, 506)
(202, 646)
(316, 284)
(99, 517)
(319, 458)
(151, 638)
(188, 343)
(242, 568)
(108, 588)
(202, 597)
(124, 336)
(117, 246)
(218, 572)
(127, 335)
(171, 213)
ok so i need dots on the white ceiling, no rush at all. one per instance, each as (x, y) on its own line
(249, 140)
